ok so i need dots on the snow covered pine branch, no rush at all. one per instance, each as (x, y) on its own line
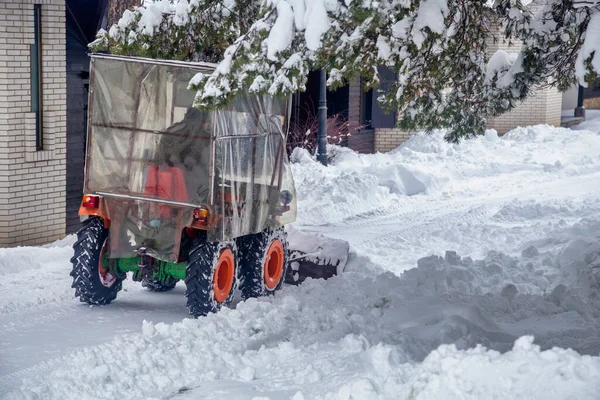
(438, 48)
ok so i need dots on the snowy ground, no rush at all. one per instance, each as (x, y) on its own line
(474, 274)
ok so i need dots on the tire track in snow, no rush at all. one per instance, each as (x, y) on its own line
(31, 338)
(393, 239)
(425, 204)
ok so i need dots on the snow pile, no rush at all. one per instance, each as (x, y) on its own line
(351, 185)
(591, 123)
(372, 337)
(427, 165)
(18, 259)
(41, 262)
(525, 371)
(23, 258)
(580, 262)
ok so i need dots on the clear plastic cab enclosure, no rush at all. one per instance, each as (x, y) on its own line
(160, 166)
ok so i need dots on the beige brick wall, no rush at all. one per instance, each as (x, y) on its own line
(553, 106)
(32, 183)
(389, 138)
(543, 107)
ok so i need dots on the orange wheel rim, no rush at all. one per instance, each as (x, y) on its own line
(273, 268)
(223, 276)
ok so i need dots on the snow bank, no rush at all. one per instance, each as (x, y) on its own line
(525, 372)
(358, 184)
(32, 265)
(353, 184)
(421, 335)
(18, 259)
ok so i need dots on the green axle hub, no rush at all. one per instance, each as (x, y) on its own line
(160, 271)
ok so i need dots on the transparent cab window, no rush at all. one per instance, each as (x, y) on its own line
(249, 157)
(155, 158)
(146, 135)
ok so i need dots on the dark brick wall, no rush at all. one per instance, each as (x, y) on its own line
(77, 80)
(354, 100)
(362, 139)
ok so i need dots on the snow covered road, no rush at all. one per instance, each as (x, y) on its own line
(453, 248)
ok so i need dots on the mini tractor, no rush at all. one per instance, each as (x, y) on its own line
(174, 193)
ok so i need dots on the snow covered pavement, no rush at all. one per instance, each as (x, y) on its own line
(474, 274)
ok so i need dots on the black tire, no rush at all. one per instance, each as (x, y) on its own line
(252, 254)
(199, 274)
(88, 286)
(155, 285)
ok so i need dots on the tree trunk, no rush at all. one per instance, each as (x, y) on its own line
(116, 8)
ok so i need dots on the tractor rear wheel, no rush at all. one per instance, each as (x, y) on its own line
(156, 285)
(263, 262)
(93, 283)
(210, 277)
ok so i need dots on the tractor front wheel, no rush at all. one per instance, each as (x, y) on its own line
(210, 277)
(93, 283)
(263, 262)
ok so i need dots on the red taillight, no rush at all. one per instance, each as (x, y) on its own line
(201, 215)
(90, 202)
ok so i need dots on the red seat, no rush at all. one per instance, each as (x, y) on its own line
(166, 183)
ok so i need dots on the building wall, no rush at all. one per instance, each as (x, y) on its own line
(32, 183)
(354, 104)
(77, 97)
(387, 139)
(569, 99)
(553, 107)
(362, 138)
(542, 107)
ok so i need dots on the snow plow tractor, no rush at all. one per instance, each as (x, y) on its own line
(174, 193)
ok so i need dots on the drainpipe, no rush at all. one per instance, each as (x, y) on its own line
(322, 135)
(580, 109)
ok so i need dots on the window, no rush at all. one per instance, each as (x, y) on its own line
(36, 76)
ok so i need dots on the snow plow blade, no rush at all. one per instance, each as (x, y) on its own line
(314, 256)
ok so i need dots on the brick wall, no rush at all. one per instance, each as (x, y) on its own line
(543, 107)
(32, 183)
(361, 139)
(553, 107)
(354, 102)
(387, 139)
